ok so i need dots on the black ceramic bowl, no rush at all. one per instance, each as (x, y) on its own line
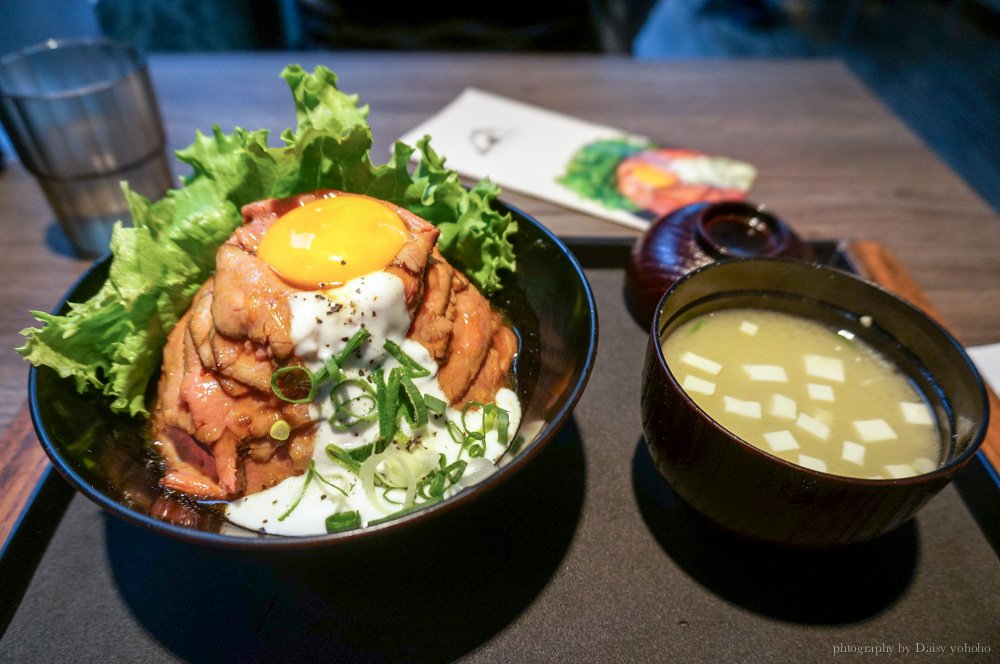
(106, 457)
(752, 493)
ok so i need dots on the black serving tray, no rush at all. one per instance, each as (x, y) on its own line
(584, 556)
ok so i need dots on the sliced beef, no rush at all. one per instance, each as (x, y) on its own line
(471, 343)
(215, 406)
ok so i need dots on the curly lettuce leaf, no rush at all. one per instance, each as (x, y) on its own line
(113, 342)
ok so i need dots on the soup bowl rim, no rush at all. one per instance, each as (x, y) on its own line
(942, 472)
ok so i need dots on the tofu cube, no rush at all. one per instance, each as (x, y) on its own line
(853, 453)
(781, 441)
(819, 392)
(748, 328)
(703, 363)
(783, 407)
(898, 471)
(825, 416)
(740, 407)
(699, 385)
(812, 462)
(829, 368)
(917, 413)
(813, 426)
(769, 373)
(873, 431)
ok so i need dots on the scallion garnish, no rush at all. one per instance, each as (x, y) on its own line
(406, 510)
(331, 371)
(435, 405)
(319, 476)
(276, 379)
(437, 482)
(412, 367)
(473, 440)
(343, 458)
(340, 521)
(305, 483)
(345, 414)
(280, 430)
(356, 340)
(418, 408)
(387, 397)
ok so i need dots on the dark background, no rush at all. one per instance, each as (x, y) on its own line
(936, 63)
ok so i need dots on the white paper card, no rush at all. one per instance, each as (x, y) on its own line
(526, 149)
(987, 359)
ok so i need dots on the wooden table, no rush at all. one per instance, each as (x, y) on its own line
(833, 162)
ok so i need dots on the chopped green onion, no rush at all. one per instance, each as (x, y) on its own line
(406, 510)
(496, 416)
(345, 416)
(470, 406)
(340, 521)
(280, 430)
(280, 393)
(412, 367)
(387, 396)
(475, 443)
(343, 458)
(327, 482)
(310, 473)
(435, 405)
(418, 414)
(455, 432)
(331, 370)
(359, 454)
(436, 483)
(356, 340)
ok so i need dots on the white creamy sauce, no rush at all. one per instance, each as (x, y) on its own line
(321, 324)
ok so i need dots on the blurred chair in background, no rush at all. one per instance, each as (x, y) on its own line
(200, 25)
(212, 25)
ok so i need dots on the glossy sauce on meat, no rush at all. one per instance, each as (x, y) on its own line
(215, 408)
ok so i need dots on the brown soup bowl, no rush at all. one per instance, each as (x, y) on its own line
(754, 494)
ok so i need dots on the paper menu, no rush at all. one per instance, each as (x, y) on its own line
(529, 149)
(987, 360)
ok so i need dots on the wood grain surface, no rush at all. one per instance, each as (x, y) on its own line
(833, 163)
(22, 464)
(879, 264)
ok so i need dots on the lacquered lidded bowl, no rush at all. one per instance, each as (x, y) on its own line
(697, 235)
(755, 494)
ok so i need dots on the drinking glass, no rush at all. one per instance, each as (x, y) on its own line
(83, 117)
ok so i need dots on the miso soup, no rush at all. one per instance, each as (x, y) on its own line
(809, 394)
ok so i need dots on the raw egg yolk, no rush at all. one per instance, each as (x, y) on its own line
(330, 241)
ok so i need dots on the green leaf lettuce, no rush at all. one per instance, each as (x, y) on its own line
(113, 342)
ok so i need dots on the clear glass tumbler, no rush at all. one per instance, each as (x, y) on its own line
(83, 116)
